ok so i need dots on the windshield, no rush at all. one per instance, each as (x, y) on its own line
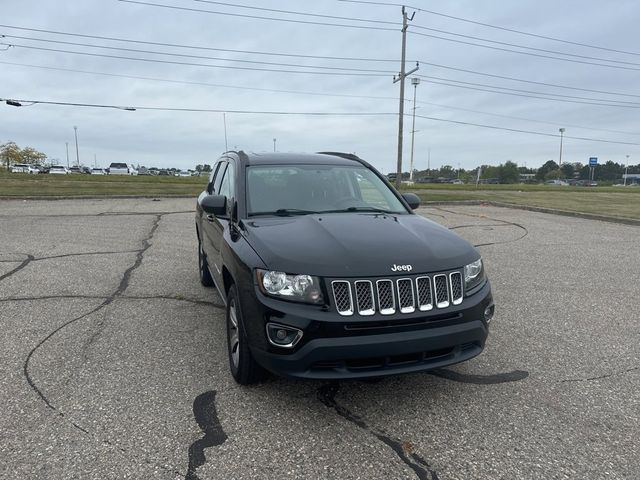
(303, 189)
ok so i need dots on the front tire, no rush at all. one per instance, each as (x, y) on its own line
(244, 369)
(205, 274)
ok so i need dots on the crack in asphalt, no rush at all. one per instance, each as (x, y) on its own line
(206, 416)
(176, 298)
(101, 214)
(27, 261)
(80, 254)
(503, 222)
(326, 395)
(118, 293)
(124, 283)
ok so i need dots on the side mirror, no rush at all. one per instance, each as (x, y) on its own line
(412, 199)
(214, 205)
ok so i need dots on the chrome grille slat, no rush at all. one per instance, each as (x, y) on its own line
(425, 297)
(406, 300)
(441, 290)
(455, 282)
(364, 297)
(386, 298)
(342, 296)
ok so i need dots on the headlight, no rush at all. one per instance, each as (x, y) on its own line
(298, 288)
(473, 275)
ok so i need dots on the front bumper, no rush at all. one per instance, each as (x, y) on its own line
(337, 348)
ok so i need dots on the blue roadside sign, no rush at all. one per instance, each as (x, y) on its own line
(593, 161)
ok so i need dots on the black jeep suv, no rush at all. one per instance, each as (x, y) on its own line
(327, 273)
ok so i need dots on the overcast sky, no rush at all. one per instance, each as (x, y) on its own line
(184, 139)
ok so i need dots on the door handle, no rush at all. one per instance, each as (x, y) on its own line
(210, 218)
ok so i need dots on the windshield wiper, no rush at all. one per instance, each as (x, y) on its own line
(359, 209)
(284, 212)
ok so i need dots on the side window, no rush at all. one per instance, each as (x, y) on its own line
(228, 183)
(218, 180)
(212, 177)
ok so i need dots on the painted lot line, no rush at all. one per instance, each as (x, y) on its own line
(114, 362)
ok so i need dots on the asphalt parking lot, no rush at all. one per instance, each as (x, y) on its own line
(114, 364)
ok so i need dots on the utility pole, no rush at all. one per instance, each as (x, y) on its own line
(67, 145)
(224, 119)
(274, 145)
(626, 171)
(415, 81)
(95, 161)
(561, 130)
(75, 130)
(401, 76)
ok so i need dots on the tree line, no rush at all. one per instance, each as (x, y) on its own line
(11, 153)
(510, 172)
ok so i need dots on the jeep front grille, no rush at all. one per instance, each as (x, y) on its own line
(342, 296)
(364, 297)
(406, 295)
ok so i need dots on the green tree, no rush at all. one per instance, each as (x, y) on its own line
(549, 166)
(508, 172)
(567, 170)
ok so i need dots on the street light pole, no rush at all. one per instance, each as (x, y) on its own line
(75, 131)
(274, 145)
(561, 130)
(626, 171)
(67, 145)
(415, 81)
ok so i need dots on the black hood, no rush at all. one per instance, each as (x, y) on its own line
(356, 244)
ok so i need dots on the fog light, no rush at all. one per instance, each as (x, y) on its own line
(488, 313)
(283, 336)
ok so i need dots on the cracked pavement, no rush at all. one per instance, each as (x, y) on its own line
(114, 363)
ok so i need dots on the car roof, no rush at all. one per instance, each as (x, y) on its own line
(322, 158)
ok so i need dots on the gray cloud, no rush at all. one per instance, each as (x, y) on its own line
(183, 139)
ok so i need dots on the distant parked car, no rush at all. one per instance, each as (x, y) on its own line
(97, 171)
(457, 181)
(75, 170)
(163, 173)
(117, 168)
(556, 183)
(132, 170)
(24, 168)
(182, 173)
(58, 170)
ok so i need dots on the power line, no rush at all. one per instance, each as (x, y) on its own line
(207, 65)
(199, 47)
(291, 12)
(531, 132)
(533, 82)
(528, 91)
(257, 17)
(183, 55)
(280, 54)
(334, 70)
(19, 102)
(587, 57)
(307, 93)
(584, 62)
(539, 55)
(533, 96)
(506, 29)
